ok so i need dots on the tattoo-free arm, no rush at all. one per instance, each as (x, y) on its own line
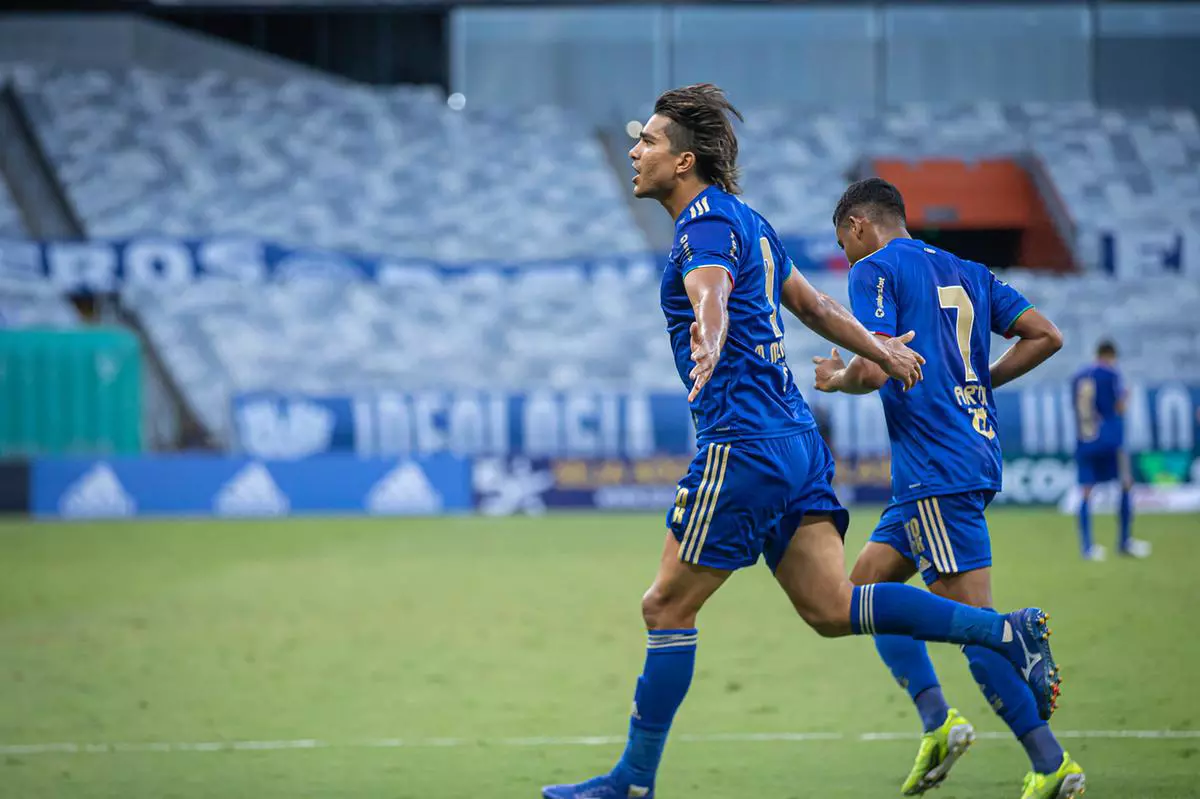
(1038, 339)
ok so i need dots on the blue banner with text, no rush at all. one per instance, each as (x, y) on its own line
(1033, 421)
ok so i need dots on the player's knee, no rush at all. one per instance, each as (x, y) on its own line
(662, 610)
(829, 617)
(829, 626)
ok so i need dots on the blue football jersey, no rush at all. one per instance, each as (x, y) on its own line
(942, 432)
(751, 393)
(1097, 391)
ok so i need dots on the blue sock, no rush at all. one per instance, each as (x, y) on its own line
(1085, 526)
(896, 609)
(670, 660)
(1044, 750)
(910, 665)
(1013, 702)
(1126, 517)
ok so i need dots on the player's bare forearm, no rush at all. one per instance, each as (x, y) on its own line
(860, 376)
(1038, 339)
(829, 319)
(708, 289)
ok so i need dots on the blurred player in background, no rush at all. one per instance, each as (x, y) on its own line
(761, 483)
(1100, 449)
(946, 465)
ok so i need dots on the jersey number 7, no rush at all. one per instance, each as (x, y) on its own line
(956, 297)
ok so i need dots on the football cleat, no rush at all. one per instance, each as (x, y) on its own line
(1068, 782)
(608, 786)
(940, 750)
(1029, 651)
(1136, 548)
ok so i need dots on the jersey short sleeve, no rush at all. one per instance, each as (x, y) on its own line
(708, 241)
(873, 297)
(1007, 306)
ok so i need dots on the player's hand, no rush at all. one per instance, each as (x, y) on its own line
(706, 360)
(902, 363)
(826, 369)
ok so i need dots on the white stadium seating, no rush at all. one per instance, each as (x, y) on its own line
(318, 164)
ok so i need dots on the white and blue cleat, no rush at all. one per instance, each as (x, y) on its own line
(609, 786)
(1029, 651)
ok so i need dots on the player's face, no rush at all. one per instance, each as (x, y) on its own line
(855, 238)
(655, 166)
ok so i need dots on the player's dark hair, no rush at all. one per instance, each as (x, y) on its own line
(702, 125)
(874, 198)
(1106, 349)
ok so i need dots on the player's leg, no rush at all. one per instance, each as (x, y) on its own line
(1086, 464)
(883, 560)
(1126, 543)
(807, 554)
(721, 504)
(811, 573)
(953, 531)
(947, 734)
(1002, 686)
(1087, 481)
(669, 609)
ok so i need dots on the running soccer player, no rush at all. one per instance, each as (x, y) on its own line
(946, 465)
(1099, 449)
(760, 484)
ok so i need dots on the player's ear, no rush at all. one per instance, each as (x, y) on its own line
(686, 161)
(858, 227)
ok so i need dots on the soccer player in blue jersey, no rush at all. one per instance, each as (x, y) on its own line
(1099, 449)
(761, 483)
(946, 464)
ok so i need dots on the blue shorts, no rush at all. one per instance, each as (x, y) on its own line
(940, 535)
(1101, 466)
(743, 499)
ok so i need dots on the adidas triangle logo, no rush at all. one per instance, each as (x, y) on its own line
(251, 492)
(402, 491)
(97, 494)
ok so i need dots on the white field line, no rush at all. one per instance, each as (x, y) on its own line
(591, 740)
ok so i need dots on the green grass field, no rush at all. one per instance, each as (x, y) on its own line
(461, 636)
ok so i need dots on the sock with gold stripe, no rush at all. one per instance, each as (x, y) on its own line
(670, 661)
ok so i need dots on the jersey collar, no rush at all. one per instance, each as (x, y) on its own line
(679, 220)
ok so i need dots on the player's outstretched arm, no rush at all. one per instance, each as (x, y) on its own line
(1038, 339)
(828, 318)
(708, 289)
(859, 377)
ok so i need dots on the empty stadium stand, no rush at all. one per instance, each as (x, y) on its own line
(321, 164)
